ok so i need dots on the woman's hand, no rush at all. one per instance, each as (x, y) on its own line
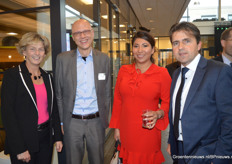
(117, 135)
(59, 146)
(25, 156)
(152, 117)
(169, 149)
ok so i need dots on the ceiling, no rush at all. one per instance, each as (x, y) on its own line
(158, 20)
(163, 15)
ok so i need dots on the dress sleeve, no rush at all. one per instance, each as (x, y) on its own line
(162, 123)
(117, 104)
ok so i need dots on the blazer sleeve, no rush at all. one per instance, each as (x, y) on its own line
(56, 119)
(14, 140)
(58, 86)
(162, 123)
(108, 86)
(223, 98)
(117, 104)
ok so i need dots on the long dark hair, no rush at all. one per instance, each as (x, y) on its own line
(146, 36)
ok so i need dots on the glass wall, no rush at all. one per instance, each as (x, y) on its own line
(15, 23)
(163, 56)
(115, 51)
(126, 24)
(105, 29)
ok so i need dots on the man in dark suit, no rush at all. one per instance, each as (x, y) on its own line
(226, 42)
(200, 103)
(172, 67)
(83, 96)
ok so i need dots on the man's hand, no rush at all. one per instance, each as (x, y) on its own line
(25, 156)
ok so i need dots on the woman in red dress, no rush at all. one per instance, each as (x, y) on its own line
(140, 86)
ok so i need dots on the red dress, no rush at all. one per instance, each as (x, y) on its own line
(133, 93)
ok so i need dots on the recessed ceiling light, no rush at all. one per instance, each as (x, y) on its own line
(151, 21)
(87, 2)
(122, 25)
(12, 33)
(149, 9)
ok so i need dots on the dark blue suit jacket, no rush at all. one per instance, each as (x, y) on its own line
(207, 114)
(218, 58)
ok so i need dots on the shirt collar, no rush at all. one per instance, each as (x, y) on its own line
(90, 54)
(226, 60)
(193, 65)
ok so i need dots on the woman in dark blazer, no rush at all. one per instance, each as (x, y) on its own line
(29, 108)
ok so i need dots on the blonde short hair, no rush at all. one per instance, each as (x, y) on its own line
(30, 38)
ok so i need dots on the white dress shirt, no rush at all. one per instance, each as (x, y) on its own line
(188, 80)
(226, 60)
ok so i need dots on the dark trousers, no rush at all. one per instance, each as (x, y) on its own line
(44, 155)
(180, 149)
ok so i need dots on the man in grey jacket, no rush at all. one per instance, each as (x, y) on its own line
(83, 89)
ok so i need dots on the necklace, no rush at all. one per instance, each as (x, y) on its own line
(36, 77)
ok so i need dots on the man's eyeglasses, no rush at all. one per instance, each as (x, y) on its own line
(85, 32)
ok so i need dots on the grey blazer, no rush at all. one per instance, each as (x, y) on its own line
(66, 83)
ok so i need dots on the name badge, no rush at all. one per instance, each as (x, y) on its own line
(101, 76)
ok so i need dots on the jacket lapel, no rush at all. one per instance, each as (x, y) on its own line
(28, 82)
(95, 66)
(174, 79)
(199, 74)
(48, 89)
(73, 68)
